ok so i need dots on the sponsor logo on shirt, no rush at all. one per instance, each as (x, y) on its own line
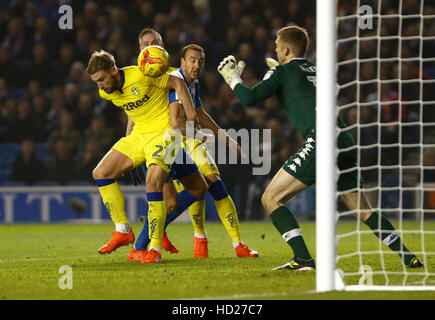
(134, 105)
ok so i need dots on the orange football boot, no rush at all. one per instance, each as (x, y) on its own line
(136, 255)
(242, 251)
(200, 249)
(153, 256)
(118, 240)
(167, 245)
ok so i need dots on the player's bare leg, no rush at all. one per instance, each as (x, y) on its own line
(170, 195)
(361, 207)
(280, 190)
(358, 203)
(195, 184)
(113, 164)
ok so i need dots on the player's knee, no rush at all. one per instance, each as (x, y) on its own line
(98, 173)
(269, 202)
(212, 178)
(196, 185)
(200, 189)
(363, 216)
(265, 201)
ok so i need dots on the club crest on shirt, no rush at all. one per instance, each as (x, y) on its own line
(268, 74)
(135, 91)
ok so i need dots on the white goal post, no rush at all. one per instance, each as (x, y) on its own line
(365, 75)
(325, 144)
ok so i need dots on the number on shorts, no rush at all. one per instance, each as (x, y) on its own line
(160, 148)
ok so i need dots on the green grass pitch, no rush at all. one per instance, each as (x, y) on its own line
(31, 255)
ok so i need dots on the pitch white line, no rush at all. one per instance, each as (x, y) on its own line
(48, 258)
(249, 295)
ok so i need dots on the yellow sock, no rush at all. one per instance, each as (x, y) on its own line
(228, 215)
(156, 220)
(114, 201)
(197, 214)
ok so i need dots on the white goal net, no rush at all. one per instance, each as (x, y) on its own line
(385, 52)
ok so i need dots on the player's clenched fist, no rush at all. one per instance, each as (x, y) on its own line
(231, 71)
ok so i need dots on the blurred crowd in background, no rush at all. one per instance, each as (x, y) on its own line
(391, 109)
(55, 128)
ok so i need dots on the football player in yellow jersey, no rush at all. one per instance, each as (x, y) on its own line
(145, 100)
(192, 64)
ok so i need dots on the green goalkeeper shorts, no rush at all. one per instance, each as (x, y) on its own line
(302, 165)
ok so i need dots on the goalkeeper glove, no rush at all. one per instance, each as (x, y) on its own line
(271, 63)
(230, 71)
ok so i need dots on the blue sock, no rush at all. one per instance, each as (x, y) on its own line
(103, 182)
(185, 199)
(144, 238)
(218, 190)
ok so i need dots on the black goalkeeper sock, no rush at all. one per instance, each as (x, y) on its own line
(285, 222)
(389, 236)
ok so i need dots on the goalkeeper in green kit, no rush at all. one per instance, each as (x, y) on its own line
(293, 80)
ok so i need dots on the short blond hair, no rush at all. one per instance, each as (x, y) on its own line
(154, 32)
(296, 38)
(100, 60)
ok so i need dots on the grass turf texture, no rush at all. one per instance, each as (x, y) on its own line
(31, 255)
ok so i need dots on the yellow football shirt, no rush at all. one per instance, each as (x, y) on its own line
(144, 99)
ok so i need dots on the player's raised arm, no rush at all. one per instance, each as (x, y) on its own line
(206, 121)
(231, 72)
(177, 118)
(183, 95)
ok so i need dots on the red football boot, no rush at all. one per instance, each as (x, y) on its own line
(118, 240)
(136, 255)
(167, 245)
(242, 251)
(153, 256)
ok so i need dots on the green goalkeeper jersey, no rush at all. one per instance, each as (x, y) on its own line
(295, 86)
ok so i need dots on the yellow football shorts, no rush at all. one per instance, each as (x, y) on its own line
(200, 154)
(141, 147)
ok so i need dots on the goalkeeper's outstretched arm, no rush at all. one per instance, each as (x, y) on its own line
(252, 96)
(248, 96)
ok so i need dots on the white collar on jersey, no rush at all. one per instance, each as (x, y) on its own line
(297, 58)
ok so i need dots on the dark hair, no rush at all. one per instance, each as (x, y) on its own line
(191, 47)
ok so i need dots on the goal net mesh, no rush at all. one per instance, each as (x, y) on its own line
(385, 75)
